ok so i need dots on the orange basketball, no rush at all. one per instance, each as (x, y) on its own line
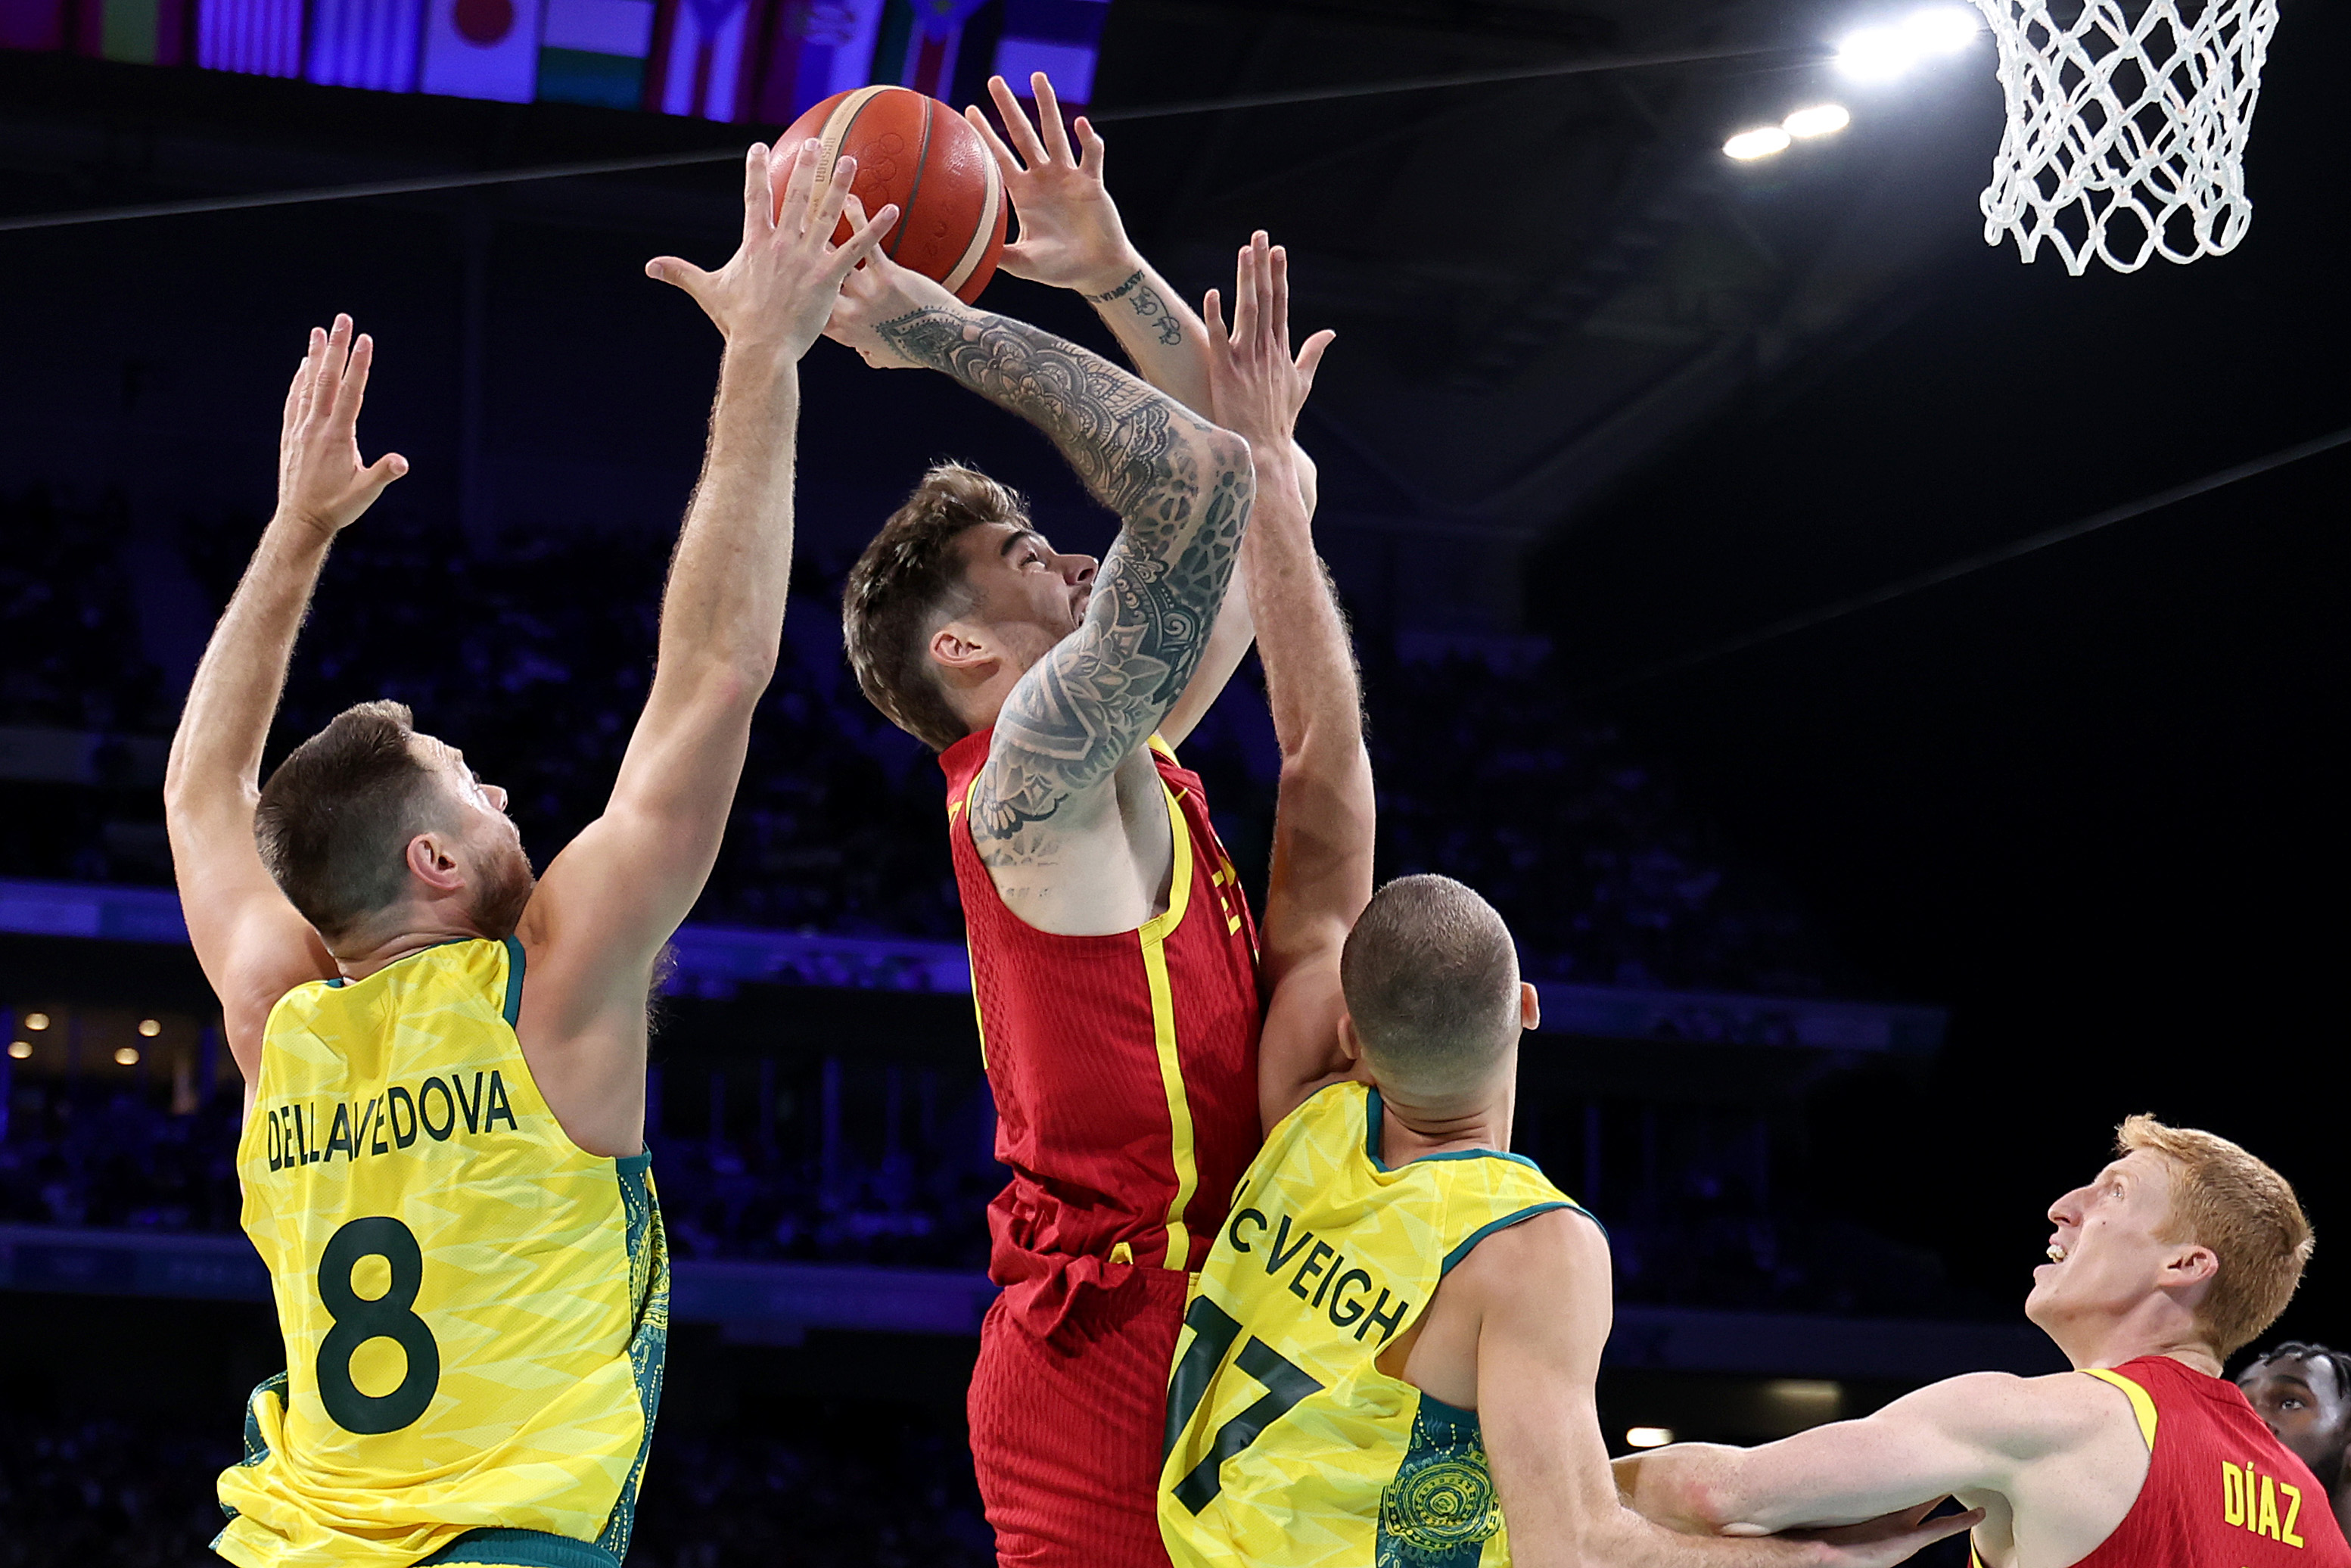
(916, 151)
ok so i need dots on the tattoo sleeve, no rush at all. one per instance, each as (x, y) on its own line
(1182, 489)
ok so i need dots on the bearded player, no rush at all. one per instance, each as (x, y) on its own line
(2303, 1393)
(1113, 954)
(445, 1170)
(1392, 1348)
(2182, 1250)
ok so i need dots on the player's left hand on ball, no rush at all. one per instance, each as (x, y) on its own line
(880, 291)
(1071, 236)
(1890, 1538)
(779, 286)
(1255, 387)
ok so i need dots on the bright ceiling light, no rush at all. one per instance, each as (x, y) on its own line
(1649, 1436)
(1942, 29)
(1820, 119)
(1886, 51)
(1760, 143)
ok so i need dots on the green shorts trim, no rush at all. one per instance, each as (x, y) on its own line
(521, 1549)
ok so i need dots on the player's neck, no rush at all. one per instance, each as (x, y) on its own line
(2157, 1329)
(412, 929)
(1409, 1133)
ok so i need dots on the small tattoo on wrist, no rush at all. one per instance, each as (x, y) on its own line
(1148, 306)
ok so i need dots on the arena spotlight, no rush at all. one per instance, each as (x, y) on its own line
(1820, 119)
(127, 1056)
(20, 1049)
(1883, 52)
(1760, 143)
(149, 1027)
(37, 1021)
(1649, 1436)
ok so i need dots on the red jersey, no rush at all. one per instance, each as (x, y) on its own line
(2220, 1491)
(1124, 1068)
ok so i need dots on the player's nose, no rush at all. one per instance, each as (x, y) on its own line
(1077, 571)
(497, 795)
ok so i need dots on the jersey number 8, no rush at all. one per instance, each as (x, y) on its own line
(358, 1319)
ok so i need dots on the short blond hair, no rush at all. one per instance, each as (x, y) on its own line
(2225, 1199)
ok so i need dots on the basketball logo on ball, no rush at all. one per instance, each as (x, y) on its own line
(916, 151)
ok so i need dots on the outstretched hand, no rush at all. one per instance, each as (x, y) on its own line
(1889, 1539)
(321, 482)
(1071, 236)
(1255, 387)
(779, 286)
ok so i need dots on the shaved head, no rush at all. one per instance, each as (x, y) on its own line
(1432, 984)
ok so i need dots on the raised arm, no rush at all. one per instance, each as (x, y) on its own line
(1182, 489)
(1540, 1290)
(612, 899)
(1323, 821)
(1073, 237)
(252, 943)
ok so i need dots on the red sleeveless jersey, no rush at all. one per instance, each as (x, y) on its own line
(1124, 1068)
(2220, 1491)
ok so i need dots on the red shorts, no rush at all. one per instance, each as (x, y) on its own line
(1066, 1432)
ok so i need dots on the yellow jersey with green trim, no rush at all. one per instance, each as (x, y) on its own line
(475, 1308)
(1285, 1441)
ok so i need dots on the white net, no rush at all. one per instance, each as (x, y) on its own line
(2126, 135)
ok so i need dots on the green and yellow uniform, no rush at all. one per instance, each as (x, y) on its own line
(1286, 1443)
(475, 1308)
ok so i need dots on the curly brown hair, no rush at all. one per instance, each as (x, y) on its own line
(908, 581)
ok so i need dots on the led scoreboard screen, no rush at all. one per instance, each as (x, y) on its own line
(763, 60)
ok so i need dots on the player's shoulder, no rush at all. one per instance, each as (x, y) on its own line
(2026, 1417)
(1558, 1252)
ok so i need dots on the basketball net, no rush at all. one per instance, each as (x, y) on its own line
(2126, 138)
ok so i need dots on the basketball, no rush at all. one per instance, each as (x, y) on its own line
(916, 151)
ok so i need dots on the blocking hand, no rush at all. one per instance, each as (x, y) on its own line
(1889, 1539)
(1071, 237)
(320, 480)
(1256, 388)
(882, 291)
(780, 284)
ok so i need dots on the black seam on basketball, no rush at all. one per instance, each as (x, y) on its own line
(922, 157)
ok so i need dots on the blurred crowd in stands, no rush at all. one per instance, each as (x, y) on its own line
(897, 1492)
(534, 658)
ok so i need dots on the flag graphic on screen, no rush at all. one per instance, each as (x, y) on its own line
(481, 48)
(365, 43)
(259, 37)
(814, 51)
(698, 61)
(593, 51)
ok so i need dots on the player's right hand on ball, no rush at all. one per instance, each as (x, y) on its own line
(779, 286)
(321, 482)
(881, 291)
(1071, 236)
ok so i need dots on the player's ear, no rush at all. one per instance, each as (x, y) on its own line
(963, 650)
(431, 862)
(1350, 1044)
(1529, 1006)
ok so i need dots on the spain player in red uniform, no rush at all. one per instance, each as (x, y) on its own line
(2179, 1252)
(1113, 957)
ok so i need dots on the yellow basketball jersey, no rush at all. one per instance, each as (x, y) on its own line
(475, 1308)
(1286, 1444)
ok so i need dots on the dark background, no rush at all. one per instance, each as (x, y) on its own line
(1591, 386)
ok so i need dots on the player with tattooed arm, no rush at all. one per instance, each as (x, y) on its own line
(2182, 1250)
(1113, 957)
